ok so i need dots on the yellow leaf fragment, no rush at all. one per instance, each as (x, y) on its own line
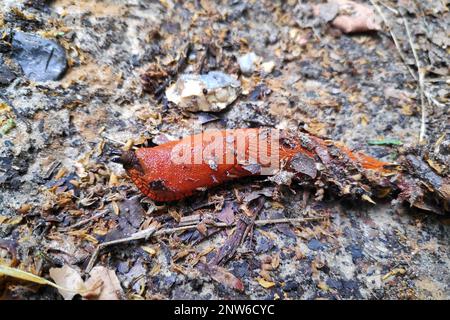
(266, 284)
(394, 272)
(27, 276)
(368, 199)
(151, 251)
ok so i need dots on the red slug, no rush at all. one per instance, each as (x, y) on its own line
(178, 169)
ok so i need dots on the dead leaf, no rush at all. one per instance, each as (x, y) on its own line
(223, 276)
(266, 284)
(226, 215)
(103, 283)
(351, 16)
(67, 277)
(110, 288)
(201, 227)
(25, 276)
(394, 272)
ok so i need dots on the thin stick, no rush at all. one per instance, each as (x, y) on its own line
(151, 232)
(388, 7)
(287, 220)
(420, 79)
(394, 38)
(421, 83)
(144, 234)
(113, 140)
(83, 222)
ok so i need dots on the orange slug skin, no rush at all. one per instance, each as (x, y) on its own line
(159, 177)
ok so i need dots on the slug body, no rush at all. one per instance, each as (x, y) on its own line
(178, 169)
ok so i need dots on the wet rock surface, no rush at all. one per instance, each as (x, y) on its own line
(40, 59)
(6, 75)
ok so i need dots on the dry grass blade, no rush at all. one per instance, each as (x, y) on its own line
(394, 38)
(420, 78)
(421, 83)
(27, 276)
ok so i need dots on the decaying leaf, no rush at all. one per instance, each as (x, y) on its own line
(226, 215)
(27, 276)
(350, 16)
(223, 276)
(110, 289)
(266, 284)
(102, 284)
(67, 277)
(304, 164)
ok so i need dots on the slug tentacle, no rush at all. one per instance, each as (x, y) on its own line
(128, 159)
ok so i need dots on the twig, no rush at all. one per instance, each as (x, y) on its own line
(151, 232)
(388, 7)
(83, 222)
(287, 220)
(113, 140)
(394, 38)
(421, 83)
(419, 78)
(144, 234)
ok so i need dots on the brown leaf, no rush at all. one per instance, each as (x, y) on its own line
(110, 288)
(69, 278)
(103, 283)
(223, 276)
(351, 16)
(302, 163)
(201, 227)
(226, 215)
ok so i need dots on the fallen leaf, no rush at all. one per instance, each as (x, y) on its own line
(394, 272)
(110, 288)
(266, 284)
(226, 215)
(151, 251)
(436, 166)
(67, 277)
(323, 286)
(351, 16)
(27, 276)
(222, 276)
(103, 283)
(201, 227)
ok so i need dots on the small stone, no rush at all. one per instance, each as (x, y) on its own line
(268, 67)
(356, 252)
(263, 244)
(41, 59)
(290, 286)
(6, 75)
(315, 245)
(211, 92)
(247, 63)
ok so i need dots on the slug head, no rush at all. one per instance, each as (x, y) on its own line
(128, 159)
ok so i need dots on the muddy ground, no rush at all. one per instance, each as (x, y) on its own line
(56, 169)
